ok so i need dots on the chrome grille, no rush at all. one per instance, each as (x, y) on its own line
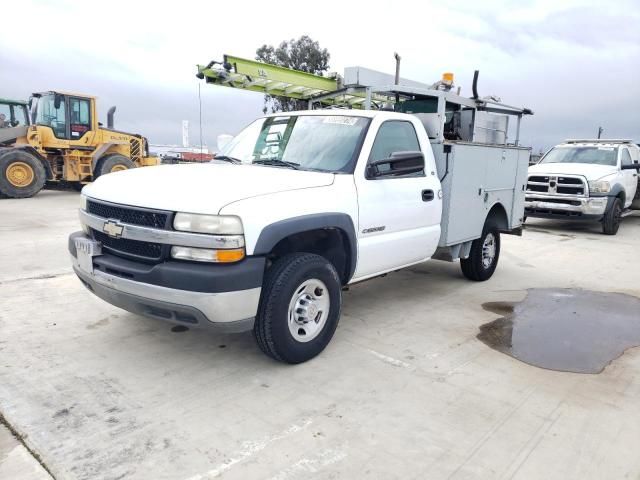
(134, 216)
(557, 185)
(123, 247)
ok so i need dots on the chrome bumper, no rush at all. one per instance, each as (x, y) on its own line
(228, 312)
(587, 205)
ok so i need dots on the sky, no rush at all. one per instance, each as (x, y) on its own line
(576, 64)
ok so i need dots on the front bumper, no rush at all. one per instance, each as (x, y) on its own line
(556, 206)
(208, 302)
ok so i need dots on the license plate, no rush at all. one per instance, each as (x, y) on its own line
(86, 249)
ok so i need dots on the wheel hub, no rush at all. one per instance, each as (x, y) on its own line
(118, 168)
(20, 174)
(308, 310)
(488, 250)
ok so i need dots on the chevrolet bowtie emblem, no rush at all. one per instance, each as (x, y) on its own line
(113, 228)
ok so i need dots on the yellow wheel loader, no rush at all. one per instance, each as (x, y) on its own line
(64, 143)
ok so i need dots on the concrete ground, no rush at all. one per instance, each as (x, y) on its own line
(404, 390)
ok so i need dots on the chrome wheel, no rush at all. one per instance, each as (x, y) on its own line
(488, 250)
(308, 310)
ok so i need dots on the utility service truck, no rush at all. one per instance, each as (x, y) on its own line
(301, 204)
(589, 179)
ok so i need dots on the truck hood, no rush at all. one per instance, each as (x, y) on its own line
(199, 188)
(588, 170)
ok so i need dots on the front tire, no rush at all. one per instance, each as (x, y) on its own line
(484, 256)
(611, 220)
(299, 308)
(21, 174)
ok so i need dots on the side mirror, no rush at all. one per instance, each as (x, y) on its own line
(398, 163)
(633, 166)
(223, 140)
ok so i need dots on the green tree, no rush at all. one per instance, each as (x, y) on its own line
(303, 54)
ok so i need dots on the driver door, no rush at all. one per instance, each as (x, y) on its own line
(399, 216)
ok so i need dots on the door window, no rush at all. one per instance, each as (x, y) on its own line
(80, 117)
(394, 136)
(625, 157)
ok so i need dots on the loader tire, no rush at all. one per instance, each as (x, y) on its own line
(112, 163)
(22, 175)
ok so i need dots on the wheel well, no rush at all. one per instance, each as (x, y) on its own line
(330, 243)
(498, 216)
(622, 197)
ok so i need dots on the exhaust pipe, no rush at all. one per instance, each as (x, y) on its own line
(474, 86)
(110, 114)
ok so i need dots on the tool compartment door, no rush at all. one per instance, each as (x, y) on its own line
(479, 177)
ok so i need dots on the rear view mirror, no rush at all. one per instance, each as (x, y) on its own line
(57, 101)
(223, 141)
(398, 163)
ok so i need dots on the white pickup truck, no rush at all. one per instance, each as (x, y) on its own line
(586, 180)
(298, 206)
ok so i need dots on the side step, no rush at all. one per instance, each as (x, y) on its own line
(627, 213)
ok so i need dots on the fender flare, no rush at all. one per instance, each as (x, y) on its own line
(275, 232)
(616, 190)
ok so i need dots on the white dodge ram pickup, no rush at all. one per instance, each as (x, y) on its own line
(586, 180)
(299, 205)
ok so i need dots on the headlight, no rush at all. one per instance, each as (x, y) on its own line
(83, 202)
(212, 224)
(599, 187)
(207, 255)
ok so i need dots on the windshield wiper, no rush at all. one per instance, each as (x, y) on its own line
(227, 158)
(278, 163)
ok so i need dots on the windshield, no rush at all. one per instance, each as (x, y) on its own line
(326, 143)
(592, 155)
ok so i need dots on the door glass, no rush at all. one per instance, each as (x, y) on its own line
(625, 157)
(50, 116)
(393, 136)
(80, 121)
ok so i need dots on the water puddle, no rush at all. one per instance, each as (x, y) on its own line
(565, 329)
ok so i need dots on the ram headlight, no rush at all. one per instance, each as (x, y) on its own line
(211, 224)
(599, 187)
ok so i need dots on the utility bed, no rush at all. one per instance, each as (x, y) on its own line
(475, 177)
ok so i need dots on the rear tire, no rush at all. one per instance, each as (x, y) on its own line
(299, 308)
(612, 217)
(484, 256)
(22, 175)
(113, 163)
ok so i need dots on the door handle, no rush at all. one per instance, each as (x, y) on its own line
(427, 195)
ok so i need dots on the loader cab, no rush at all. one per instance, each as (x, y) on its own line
(70, 116)
(13, 113)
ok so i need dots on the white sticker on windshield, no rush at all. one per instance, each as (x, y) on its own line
(351, 121)
(608, 149)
